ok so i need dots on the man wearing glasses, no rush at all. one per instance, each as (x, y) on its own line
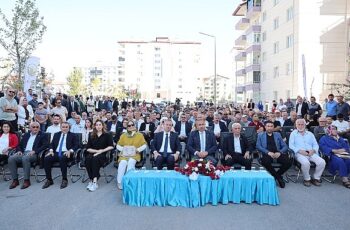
(9, 108)
(30, 146)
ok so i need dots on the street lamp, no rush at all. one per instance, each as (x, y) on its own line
(212, 36)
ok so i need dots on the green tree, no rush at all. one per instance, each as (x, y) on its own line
(20, 34)
(75, 82)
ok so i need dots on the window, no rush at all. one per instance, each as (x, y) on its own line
(263, 56)
(256, 77)
(275, 72)
(275, 2)
(264, 16)
(288, 68)
(289, 41)
(276, 47)
(264, 36)
(290, 13)
(275, 23)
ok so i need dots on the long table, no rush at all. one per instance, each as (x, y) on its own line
(166, 187)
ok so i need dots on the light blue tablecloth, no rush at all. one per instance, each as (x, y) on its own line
(161, 188)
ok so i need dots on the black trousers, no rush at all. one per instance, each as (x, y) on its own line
(3, 157)
(237, 158)
(93, 164)
(169, 160)
(48, 162)
(283, 159)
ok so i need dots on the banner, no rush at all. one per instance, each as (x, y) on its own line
(31, 72)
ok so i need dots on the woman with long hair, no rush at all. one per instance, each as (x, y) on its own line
(87, 130)
(25, 113)
(8, 140)
(99, 143)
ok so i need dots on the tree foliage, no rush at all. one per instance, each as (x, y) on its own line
(20, 34)
(75, 82)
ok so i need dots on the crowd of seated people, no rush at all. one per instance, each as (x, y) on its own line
(132, 129)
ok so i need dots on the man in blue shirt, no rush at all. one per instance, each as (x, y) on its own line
(331, 107)
(343, 107)
(305, 147)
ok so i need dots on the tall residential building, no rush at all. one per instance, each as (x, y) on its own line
(102, 79)
(223, 88)
(161, 69)
(291, 48)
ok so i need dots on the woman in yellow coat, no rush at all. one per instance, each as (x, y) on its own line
(130, 146)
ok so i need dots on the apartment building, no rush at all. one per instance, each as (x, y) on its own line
(161, 69)
(291, 48)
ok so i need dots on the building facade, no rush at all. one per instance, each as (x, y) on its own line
(223, 89)
(160, 69)
(291, 48)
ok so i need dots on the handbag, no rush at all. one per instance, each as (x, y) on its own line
(129, 151)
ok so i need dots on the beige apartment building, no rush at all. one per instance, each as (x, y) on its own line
(291, 47)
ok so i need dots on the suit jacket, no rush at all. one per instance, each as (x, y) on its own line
(222, 125)
(152, 127)
(109, 126)
(70, 108)
(115, 104)
(304, 108)
(41, 142)
(158, 141)
(261, 143)
(188, 128)
(194, 144)
(228, 147)
(71, 141)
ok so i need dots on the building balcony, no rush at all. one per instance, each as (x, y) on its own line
(254, 29)
(241, 40)
(252, 87)
(253, 48)
(240, 72)
(242, 24)
(253, 9)
(253, 67)
(240, 89)
(241, 56)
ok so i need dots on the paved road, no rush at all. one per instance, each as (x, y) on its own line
(326, 207)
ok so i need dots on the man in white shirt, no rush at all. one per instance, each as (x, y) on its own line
(78, 126)
(60, 110)
(342, 126)
(55, 127)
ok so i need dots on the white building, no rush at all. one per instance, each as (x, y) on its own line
(160, 69)
(107, 79)
(223, 88)
(277, 34)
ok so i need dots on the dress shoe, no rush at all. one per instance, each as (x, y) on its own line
(47, 184)
(14, 184)
(316, 182)
(64, 184)
(26, 184)
(307, 183)
(281, 182)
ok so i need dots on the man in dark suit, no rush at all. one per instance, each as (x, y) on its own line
(183, 128)
(166, 147)
(147, 128)
(301, 108)
(63, 145)
(73, 107)
(115, 105)
(218, 126)
(30, 146)
(202, 143)
(113, 124)
(236, 148)
(273, 148)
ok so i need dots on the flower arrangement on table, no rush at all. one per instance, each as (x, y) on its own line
(200, 166)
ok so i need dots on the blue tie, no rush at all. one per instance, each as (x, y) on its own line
(165, 152)
(60, 146)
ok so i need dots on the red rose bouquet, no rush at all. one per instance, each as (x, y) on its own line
(204, 167)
